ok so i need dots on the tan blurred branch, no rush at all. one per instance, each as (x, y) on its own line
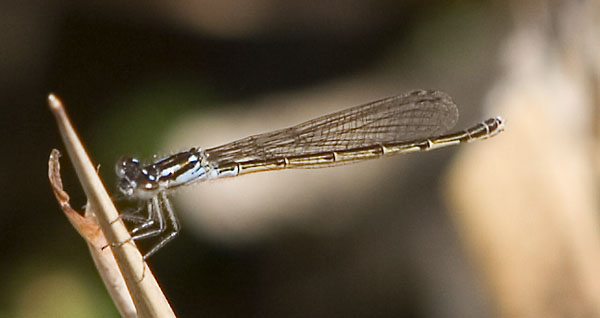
(527, 204)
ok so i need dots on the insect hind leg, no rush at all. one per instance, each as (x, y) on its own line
(167, 213)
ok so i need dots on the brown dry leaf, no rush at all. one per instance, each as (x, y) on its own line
(87, 226)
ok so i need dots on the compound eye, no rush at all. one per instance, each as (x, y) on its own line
(126, 165)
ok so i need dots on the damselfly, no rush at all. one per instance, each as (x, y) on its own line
(415, 121)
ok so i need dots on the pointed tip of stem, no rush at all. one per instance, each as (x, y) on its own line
(54, 102)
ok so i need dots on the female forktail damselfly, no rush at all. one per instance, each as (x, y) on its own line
(415, 121)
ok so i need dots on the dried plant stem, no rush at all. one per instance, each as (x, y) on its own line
(89, 229)
(142, 288)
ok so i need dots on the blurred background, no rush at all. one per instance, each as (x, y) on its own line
(507, 227)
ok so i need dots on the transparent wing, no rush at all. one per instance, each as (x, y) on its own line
(412, 116)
